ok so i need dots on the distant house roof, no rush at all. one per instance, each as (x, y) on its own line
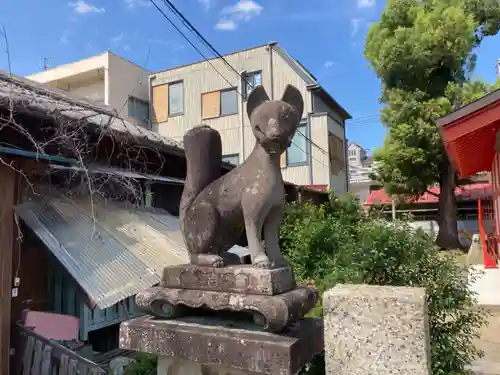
(25, 96)
(301, 70)
(355, 144)
(462, 193)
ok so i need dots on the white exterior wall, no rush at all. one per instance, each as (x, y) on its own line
(201, 77)
(124, 79)
(356, 160)
(92, 90)
(106, 78)
(63, 72)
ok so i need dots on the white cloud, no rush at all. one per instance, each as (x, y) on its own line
(81, 7)
(131, 4)
(242, 11)
(329, 64)
(64, 39)
(366, 3)
(172, 45)
(116, 40)
(225, 24)
(207, 4)
(355, 24)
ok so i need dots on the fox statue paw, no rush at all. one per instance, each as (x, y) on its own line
(263, 262)
(208, 260)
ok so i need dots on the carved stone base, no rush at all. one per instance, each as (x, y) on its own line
(270, 313)
(234, 279)
(200, 345)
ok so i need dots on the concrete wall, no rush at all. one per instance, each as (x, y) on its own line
(124, 79)
(106, 78)
(92, 90)
(62, 72)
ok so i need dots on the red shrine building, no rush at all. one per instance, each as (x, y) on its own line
(472, 140)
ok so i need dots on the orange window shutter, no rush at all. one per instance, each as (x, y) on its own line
(283, 160)
(159, 106)
(210, 104)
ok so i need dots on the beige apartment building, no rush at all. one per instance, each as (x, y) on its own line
(105, 79)
(211, 92)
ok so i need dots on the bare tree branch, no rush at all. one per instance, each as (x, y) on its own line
(432, 193)
(3, 33)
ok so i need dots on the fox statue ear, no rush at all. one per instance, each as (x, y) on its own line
(256, 98)
(293, 97)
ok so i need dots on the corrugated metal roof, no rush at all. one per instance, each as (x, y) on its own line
(112, 252)
(99, 169)
(26, 95)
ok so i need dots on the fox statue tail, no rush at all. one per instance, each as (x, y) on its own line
(203, 148)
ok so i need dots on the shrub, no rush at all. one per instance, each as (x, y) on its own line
(338, 243)
(144, 364)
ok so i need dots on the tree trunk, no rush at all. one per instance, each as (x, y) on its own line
(447, 237)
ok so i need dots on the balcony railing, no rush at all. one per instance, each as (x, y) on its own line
(37, 355)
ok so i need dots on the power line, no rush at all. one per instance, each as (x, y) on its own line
(190, 26)
(187, 40)
(364, 119)
(193, 29)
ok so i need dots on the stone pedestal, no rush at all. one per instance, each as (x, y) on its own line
(270, 296)
(376, 330)
(202, 345)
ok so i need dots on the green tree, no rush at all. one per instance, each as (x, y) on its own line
(422, 50)
(338, 243)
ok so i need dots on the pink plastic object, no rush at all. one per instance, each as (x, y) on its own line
(51, 325)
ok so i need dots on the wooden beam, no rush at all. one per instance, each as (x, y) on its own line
(7, 201)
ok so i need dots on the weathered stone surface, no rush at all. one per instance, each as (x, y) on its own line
(226, 344)
(238, 279)
(376, 330)
(172, 366)
(272, 313)
(216, 210)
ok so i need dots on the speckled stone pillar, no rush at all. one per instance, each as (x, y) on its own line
(198, 345)
(376, 330)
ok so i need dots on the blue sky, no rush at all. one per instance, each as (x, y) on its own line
(327, 36)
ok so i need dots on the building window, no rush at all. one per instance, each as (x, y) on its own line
(219, 103)
(176, 98)
(138, 109)
(251, 81)
(352, 152)
(298, 151)
(336, 152)
(228, 102)
(232, 158)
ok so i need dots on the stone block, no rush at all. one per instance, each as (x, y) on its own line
(236, 279)
(376, 330)
(224, 343)
(271, 313)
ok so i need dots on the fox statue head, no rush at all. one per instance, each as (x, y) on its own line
(274, 122)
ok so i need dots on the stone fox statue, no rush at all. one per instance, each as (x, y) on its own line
(216, 209)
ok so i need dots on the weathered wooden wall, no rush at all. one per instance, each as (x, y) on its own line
(7, 201)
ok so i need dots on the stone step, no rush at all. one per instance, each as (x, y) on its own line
(484, 367)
